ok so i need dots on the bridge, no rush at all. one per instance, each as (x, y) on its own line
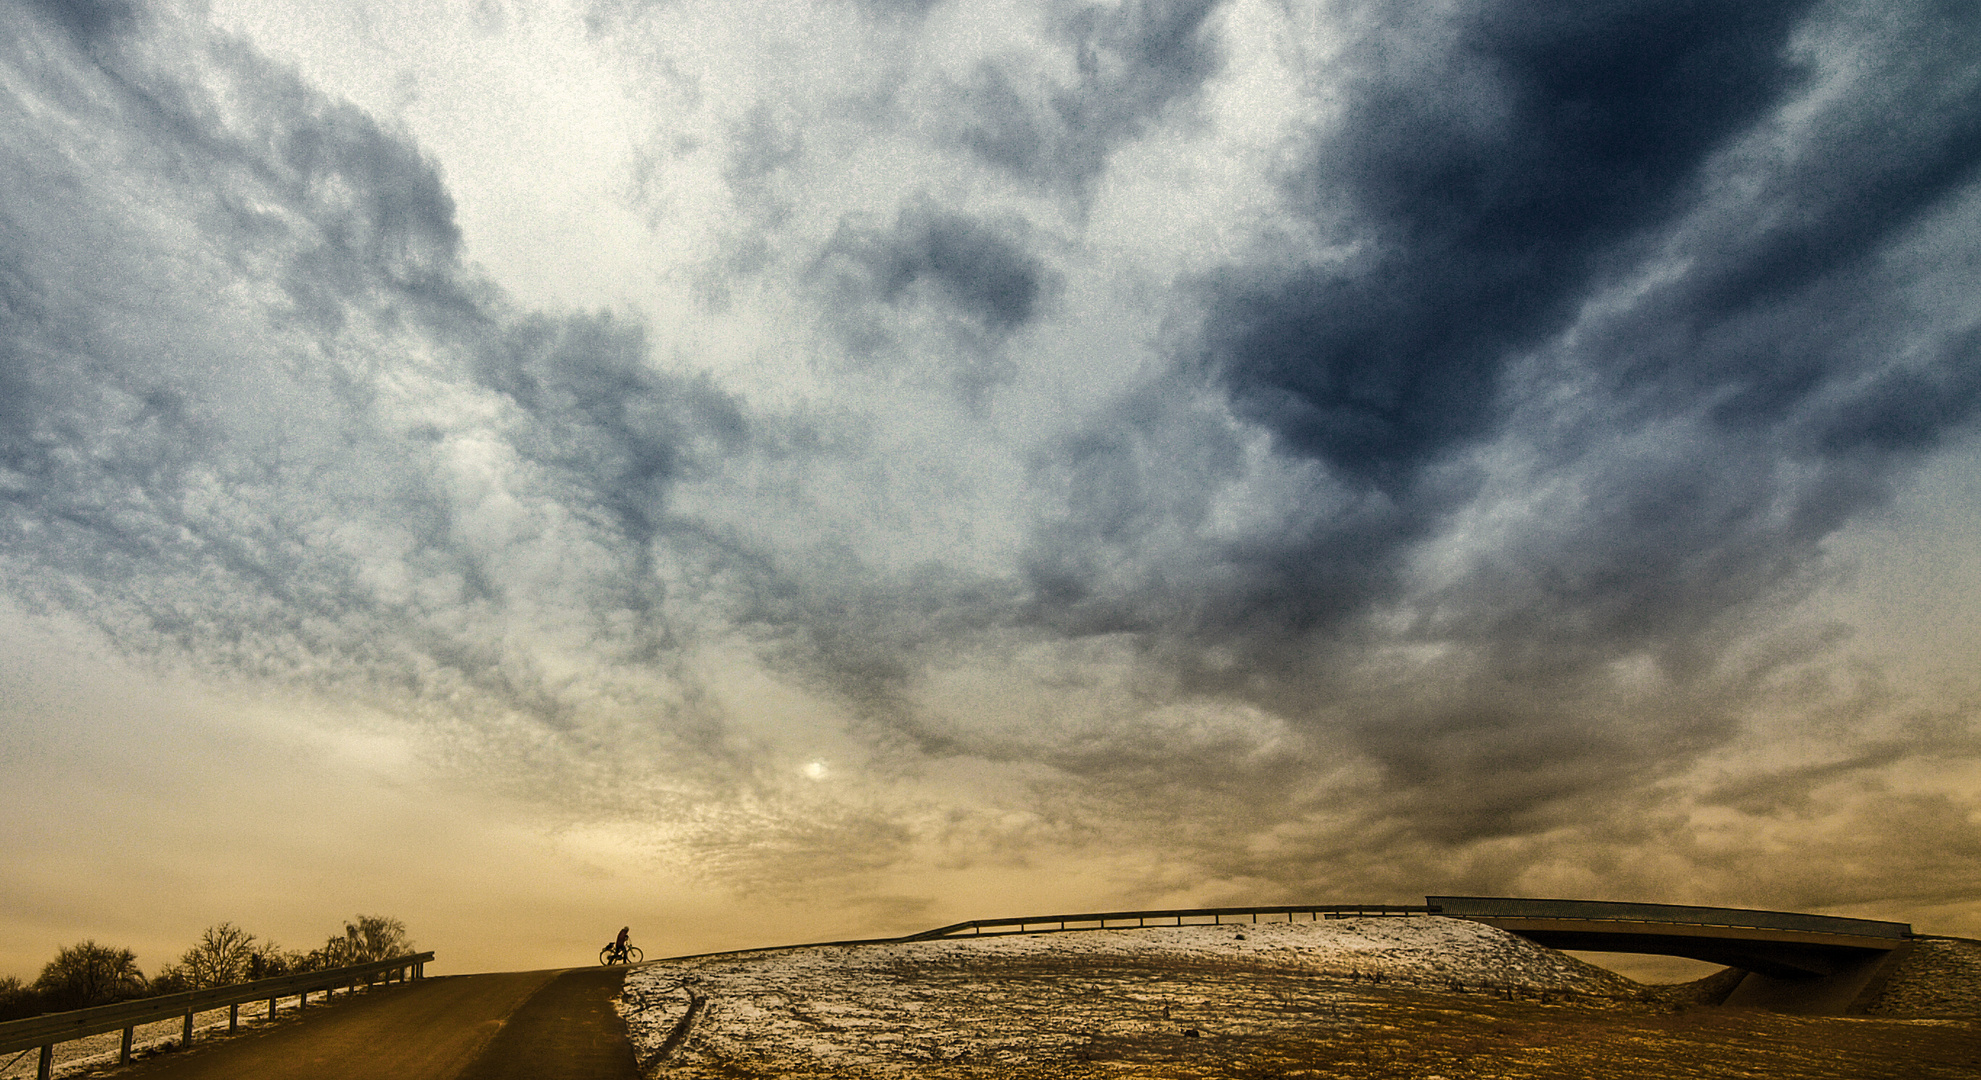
(1793, 962)
(1819, 964)
(1822, 965)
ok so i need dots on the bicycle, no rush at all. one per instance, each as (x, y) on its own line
(611, 955)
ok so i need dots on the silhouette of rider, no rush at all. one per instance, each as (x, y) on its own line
(619, 946)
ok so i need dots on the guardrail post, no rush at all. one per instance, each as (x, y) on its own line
(124, 1052)
(47, 1067)
(233, 1018)
(271, 1008)
(188, 1040)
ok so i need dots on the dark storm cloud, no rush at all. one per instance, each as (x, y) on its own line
(764, 144)
(1142, 482)
(1675, 451)
(374, 204)
(88, 20)
(1479, 185)
(1133, 61)
(380, 211)
(980, 270)
(897, 9)
(1766, 794)
(604, 419)
(1482, 188)
(1808, 339)
(936, 293)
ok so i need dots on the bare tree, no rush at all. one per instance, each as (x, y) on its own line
(17, 1000)
(270, 960)
(223, 957)
(368, 938)
(379, 937)
(90, 974)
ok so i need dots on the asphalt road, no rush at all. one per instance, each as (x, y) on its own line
(545, 1025)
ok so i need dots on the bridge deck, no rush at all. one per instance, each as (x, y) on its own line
(1796, 961)
(1606, 911)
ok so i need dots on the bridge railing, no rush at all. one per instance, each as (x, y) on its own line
(1121, 920)
(1104, 920)
(48, 1030)
(1506, 907)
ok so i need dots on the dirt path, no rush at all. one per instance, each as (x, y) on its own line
(540, 1024)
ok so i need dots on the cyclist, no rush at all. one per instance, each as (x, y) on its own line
(619, 945)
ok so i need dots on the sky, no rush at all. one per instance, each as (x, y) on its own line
(764, 471)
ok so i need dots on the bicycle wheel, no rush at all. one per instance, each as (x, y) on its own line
(634, 955)
(605, 956)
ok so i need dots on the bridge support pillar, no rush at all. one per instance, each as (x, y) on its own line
(1848, 990)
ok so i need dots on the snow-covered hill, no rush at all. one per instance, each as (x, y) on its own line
(889, 1009)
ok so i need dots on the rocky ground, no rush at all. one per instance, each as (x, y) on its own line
(1365, 998)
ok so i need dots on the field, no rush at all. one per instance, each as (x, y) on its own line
(1364, 999)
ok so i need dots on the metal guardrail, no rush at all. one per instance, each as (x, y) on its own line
(1121, 920)
(47, 1030)
(1100, 920)
(1507, 907)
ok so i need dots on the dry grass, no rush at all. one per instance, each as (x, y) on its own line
(1071, 1019)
